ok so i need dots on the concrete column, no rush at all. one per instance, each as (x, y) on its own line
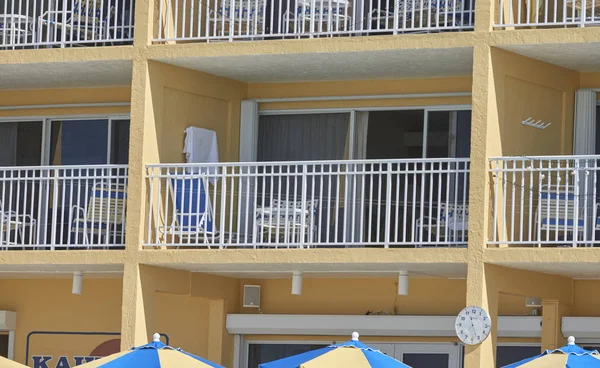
(216, 329)
(482, 292)
(486, 11)
(135, 311)
(145, 13)
(552, 313)
(141, 121)
(140, 283)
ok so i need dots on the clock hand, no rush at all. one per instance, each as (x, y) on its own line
(472, 326)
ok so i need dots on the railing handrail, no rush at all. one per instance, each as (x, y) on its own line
(315, 162)
(549, 157)
(63, 167)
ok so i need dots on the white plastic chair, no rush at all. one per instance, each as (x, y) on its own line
(291, 221)
(413, 14)
(15, 29)
(326, 17)
(11, 221)
(237, 18)
(84, 23)
(451, 220)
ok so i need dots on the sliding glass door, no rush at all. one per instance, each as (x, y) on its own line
(416, 188)
(48, 197)
(354, 197)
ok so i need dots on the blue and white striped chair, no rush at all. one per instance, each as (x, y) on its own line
(103, 217)
(559, 210)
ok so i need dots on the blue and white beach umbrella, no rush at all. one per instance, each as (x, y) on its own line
(351, 354)
(152, 355)
(569, 356)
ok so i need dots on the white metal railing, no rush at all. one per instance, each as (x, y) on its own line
(62, 207)
(548, 13)
(545, 201)
(309, 204)
(63, 23)
(207, 20)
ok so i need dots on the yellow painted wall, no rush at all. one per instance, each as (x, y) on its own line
(529, 88)
(49, 305)
(225, 298)
(589, 80)
(341, 296)
(585, 304)
(346, 296)
(65, 96)
(182, 98)
(184, 319)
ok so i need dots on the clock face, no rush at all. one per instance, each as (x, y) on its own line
(473, 325)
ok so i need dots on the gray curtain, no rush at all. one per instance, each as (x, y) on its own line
(8, 144)
(302, 137)
(307, 137)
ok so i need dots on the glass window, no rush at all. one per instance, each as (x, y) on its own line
(87, 142)
(79, 142)
(21, 143)
(4, 346)
(119, 142)
(263, 353)
(591, 347)
(511, 354)
(424, 360)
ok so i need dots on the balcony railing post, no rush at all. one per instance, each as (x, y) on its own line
(388, 205)
(576, 227)
(304, 232)
(55, 182)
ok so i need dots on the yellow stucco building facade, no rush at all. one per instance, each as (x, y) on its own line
(93, 148)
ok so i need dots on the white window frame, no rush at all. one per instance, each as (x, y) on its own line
(47, 120)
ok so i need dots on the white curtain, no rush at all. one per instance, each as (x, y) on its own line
(584, 139)
(359, 152)
(361, 127)
(584, 143)
(248, 144)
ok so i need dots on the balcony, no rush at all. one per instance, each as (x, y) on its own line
(66, 23)
(548, 13)
(238, 20)
(545, 201)
(63, 207)
(312, 204)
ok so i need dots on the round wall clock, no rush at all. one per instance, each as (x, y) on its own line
(473, 325)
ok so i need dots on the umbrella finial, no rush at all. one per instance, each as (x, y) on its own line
(571, 340)
(354, 336)
(156, 337)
